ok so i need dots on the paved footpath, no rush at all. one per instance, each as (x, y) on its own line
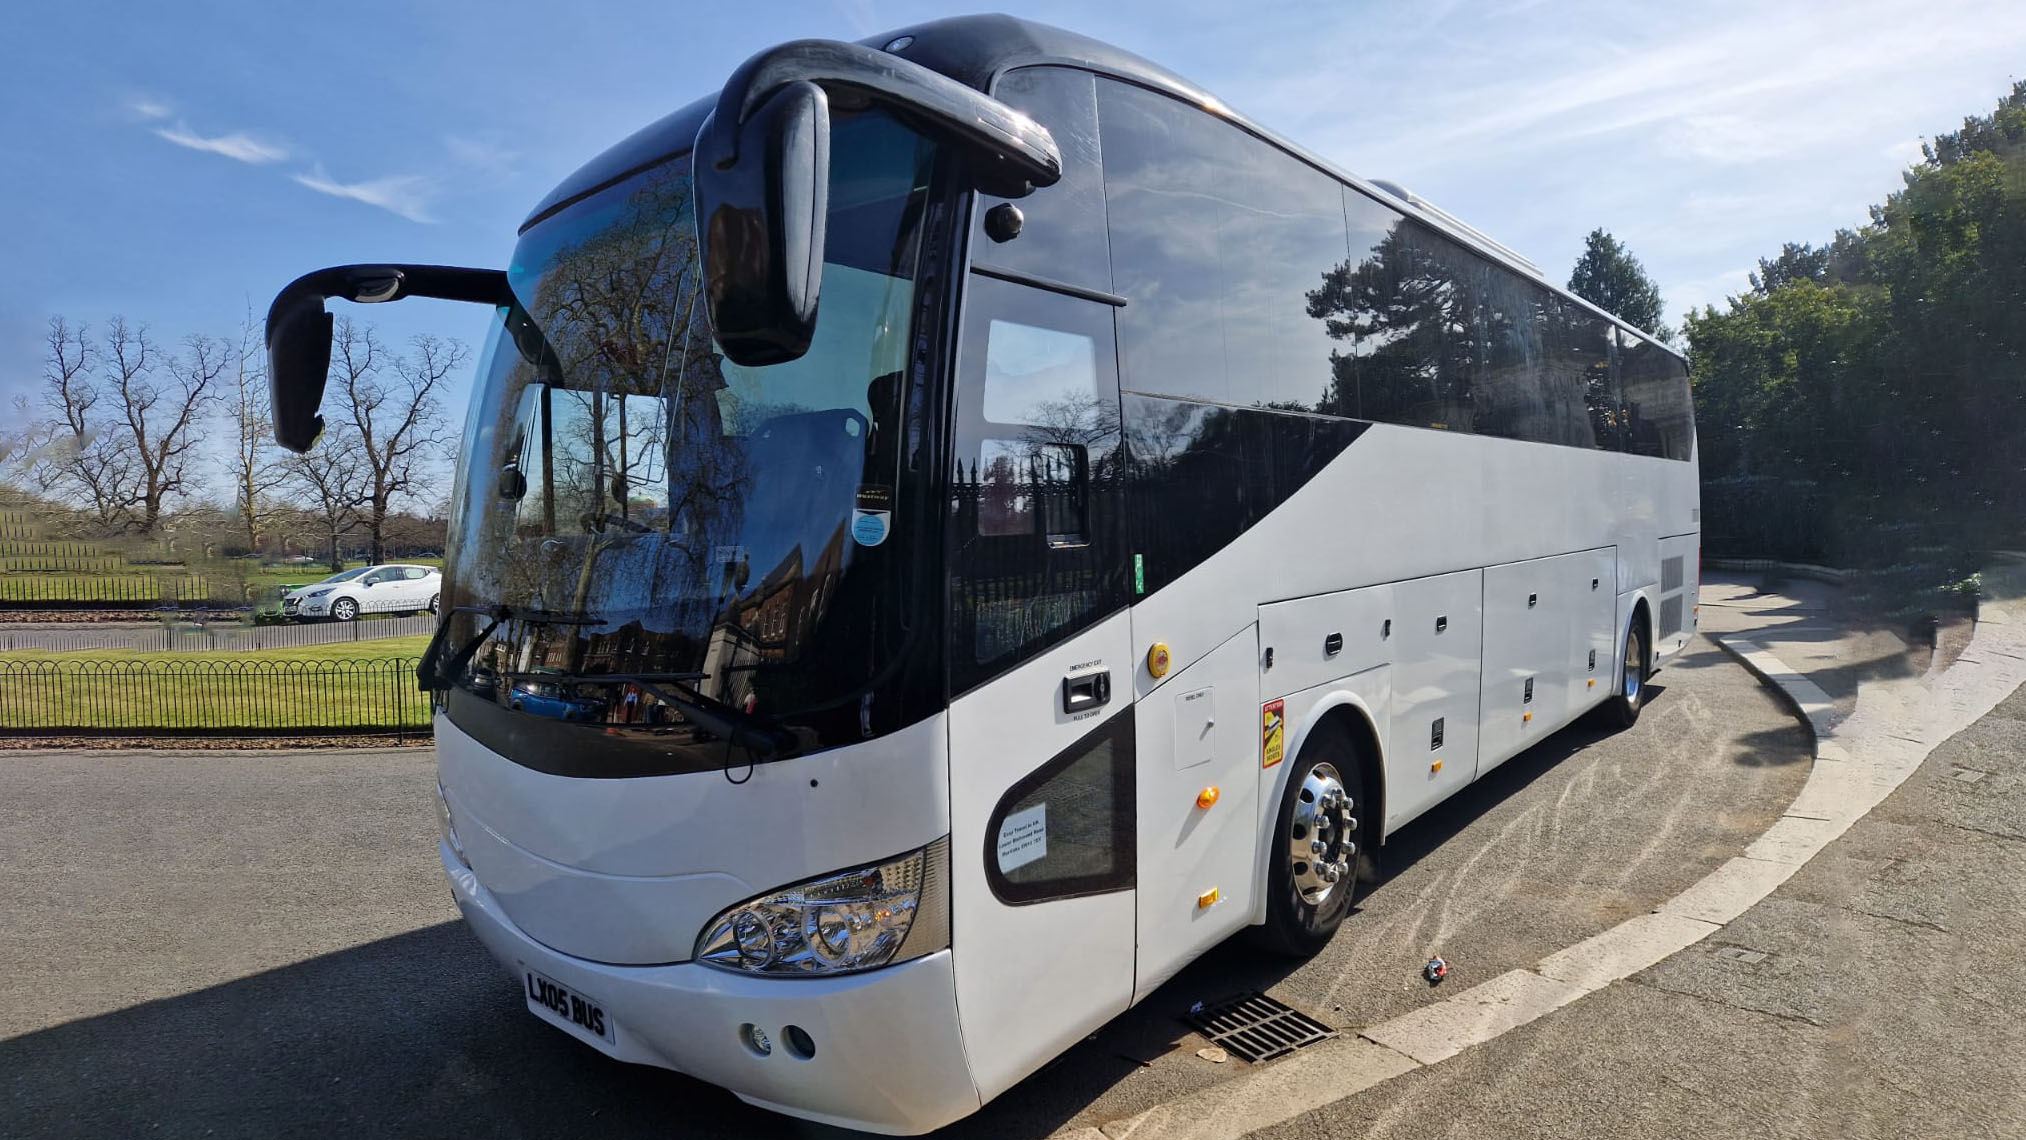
(1855, 973)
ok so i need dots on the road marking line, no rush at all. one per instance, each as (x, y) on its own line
(1310, 1079)
(1448, 1027)
(1728, 891)
(1624, 950)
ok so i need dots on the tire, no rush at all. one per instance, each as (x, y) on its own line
(1304, 906)
(433, 600)
(1622, 710)
(344, 609)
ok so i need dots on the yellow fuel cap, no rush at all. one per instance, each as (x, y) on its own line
(1157, 659)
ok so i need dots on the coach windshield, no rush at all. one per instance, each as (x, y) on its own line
(648, 528)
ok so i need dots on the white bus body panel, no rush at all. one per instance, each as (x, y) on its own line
(1404, 504)
(1031, 979)
(630, 870)
(889, 1057)
(1200, 731)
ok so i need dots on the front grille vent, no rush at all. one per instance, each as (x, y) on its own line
(1257, 1028)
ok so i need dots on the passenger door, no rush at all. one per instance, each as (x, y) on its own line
(1043, 855)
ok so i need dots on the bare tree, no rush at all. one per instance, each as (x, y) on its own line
(253, 467)
(161, 418)
(327, 481)
(87, 464)
(395, 407)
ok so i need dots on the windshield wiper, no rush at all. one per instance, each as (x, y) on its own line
(755, 733)
(434, 675)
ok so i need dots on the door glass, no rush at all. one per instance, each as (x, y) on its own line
(1035, 477)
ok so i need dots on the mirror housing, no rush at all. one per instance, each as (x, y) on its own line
(299, 329)
(761, 176)
(761, 214)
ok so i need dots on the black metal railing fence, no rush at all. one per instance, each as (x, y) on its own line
(223, 697)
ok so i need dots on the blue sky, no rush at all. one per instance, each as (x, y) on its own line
(177, 163)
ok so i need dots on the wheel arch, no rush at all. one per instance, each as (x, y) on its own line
(1355, 713)
(1640, 616)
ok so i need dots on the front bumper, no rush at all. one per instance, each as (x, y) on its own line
(301, 607)
(888, 1058)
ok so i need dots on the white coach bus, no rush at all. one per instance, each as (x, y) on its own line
(865, 674)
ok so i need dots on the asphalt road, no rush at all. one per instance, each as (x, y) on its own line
(260, 944)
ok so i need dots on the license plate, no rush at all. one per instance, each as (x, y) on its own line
(559, 1005)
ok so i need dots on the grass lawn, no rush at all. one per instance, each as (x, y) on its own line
(345, 685)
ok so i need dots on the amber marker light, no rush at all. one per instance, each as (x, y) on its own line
(1206, 797)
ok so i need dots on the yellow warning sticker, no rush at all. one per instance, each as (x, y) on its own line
(1272, 733)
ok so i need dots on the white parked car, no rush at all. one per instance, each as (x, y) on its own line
(391, 588)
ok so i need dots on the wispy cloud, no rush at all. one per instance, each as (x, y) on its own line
(149, 109)
(484, 155)
(407, 195)
(236, 146)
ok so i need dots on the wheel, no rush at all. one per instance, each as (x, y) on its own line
(344, 609)
(1622, 709)
(1314, 875)
(433, 599)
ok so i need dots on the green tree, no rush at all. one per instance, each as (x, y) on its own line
(1608, 276)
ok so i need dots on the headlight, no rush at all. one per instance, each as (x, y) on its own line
(317, 593)
(842, 923)
(446, 826)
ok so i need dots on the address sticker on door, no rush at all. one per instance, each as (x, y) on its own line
(1023, 838)
(1272, 733)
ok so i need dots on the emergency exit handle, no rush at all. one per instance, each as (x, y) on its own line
(1086, 690)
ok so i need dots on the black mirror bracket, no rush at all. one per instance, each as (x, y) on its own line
(1017, 154)
(761, 171)
(299, 329)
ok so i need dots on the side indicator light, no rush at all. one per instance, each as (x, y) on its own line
(1434, 766)
(1207, 899)
(1525, 717)
(1592, 684)
(1206, 797)
(1158, 659)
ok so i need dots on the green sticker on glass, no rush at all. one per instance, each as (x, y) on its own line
(1139, 574)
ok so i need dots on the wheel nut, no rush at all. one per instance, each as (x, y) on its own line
(1317, 846)
(1350, 848)
(1350, 823)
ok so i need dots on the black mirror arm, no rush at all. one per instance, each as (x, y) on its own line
(299, 329)
(1025, 152)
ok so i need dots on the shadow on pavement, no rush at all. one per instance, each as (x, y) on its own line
(415, 1035)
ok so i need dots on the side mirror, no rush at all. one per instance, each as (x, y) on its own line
(761, 206)
(298, 363)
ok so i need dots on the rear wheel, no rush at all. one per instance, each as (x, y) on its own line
(433, 599)
(1623, 708)
(1314, 874)
(345, 609)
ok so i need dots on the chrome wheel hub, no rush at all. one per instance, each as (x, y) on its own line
(1634, 650)
(1321, 838)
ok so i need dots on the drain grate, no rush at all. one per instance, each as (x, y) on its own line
(1256, 1028)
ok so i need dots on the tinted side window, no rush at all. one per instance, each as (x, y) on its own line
(1062, 237)
(1653, 384)
(1067, 828)
(1217, 241)
(1578, 353)
(1410, 303)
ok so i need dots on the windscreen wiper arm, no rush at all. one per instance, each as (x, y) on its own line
(750, 731)
(433, 674)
